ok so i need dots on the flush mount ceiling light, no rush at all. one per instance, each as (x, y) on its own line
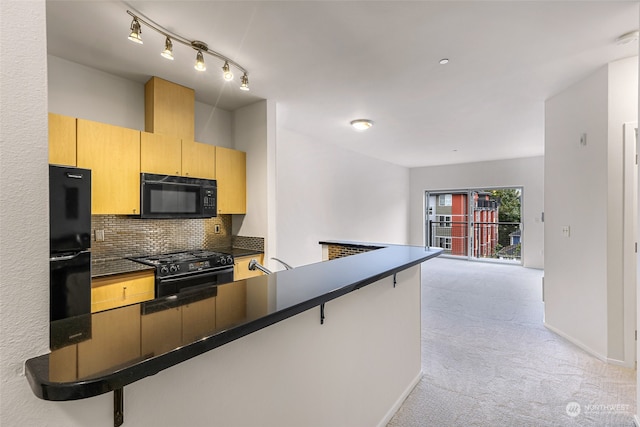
(627, 38)
(361, 124)
(200, 47)
(444, 61)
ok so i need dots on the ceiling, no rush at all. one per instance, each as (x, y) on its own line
(326, 63)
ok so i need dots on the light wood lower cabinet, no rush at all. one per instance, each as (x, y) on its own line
(198, 320)
(115, 339)
(241, 267)
(161, 331)
(121, 289)
(62, 140)
(231, 304)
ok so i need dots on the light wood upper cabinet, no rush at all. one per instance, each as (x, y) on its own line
(169, 109)
(198, 160)
(231, 174)
(160, 154)
(62, 140)
(113, 155)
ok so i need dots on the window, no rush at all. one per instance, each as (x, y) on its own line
(444, 200)
(445, 243)
(444, 220)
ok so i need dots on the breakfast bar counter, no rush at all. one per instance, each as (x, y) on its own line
(131, 343)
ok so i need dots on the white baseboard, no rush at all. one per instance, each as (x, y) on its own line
(584, 347)
(636, 421)
(392, 411)
(576, 342)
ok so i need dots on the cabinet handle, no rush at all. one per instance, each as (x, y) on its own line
(134, 211)
(124, 292)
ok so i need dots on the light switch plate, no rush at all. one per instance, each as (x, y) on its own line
(566, 231)
(99, 235)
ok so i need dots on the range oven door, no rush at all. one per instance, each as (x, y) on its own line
(190, 281)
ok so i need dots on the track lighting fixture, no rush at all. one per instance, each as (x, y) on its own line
(168, 49)
(200, 62)
(200, 47)
(135, 35)
(245, 82)
(226, 72)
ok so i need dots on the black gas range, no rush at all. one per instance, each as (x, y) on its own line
(188, 270)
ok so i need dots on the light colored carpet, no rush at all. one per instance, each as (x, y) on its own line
(489, 361)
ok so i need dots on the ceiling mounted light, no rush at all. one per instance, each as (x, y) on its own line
(200, 62)
(627, 38)
(226, 72)
(136, 32)
(361, 124)
(245, 82)
(200, 47)
(168, 49)
(444, 61)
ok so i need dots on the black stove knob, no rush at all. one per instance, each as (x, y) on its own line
(173, 268)
(164, 269)
(229, 260)
(223, 260)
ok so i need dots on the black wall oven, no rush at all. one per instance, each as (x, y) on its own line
(169, 196)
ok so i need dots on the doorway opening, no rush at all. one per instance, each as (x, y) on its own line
(476, 224)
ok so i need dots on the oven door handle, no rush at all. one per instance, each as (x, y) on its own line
(180, 277)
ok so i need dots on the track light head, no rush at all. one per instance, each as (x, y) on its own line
(168, 49)
(226, 72)
(245, 82)
(136, 32)
(200, 62)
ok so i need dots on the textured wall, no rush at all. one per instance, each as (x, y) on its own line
(24, 229)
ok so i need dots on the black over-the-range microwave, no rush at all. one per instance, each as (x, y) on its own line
(168, 196)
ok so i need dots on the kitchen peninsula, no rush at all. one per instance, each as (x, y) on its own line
(306, 328)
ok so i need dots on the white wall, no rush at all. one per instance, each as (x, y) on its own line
(79, 91)
(24, 229)
(527, 173)
(326, 192)
(583, 190)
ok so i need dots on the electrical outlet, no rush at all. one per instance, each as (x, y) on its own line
(566, 231)
(99, 235)
(216, 228)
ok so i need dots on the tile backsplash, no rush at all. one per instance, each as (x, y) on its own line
(126, 236)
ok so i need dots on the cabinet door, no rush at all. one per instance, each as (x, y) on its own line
(161, 331)
(198, 160)
(121, 289)
(231, 173)
(241, 267)
(231, 304)
(115, 339)
(62, 140)
(113, 155)
(160, 154)
(198, 320)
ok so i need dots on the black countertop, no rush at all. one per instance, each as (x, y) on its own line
(235, 310)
